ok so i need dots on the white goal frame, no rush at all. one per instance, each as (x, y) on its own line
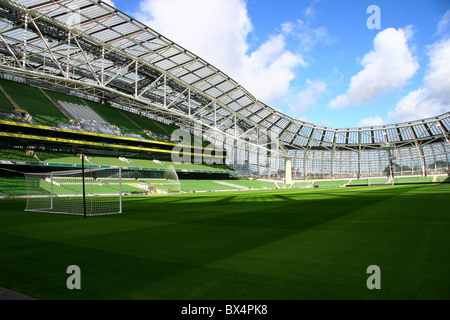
(87, 192)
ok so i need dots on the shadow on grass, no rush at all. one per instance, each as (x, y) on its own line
(201, 230)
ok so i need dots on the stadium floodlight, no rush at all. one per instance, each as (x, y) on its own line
(97, 191)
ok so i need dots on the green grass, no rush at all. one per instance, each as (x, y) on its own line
(276, 244)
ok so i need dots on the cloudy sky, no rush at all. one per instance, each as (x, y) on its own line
(337, 63)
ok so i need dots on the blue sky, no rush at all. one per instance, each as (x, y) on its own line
(317, 60)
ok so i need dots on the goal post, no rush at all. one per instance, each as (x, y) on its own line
(97, 191)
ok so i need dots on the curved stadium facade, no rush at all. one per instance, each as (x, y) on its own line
(91, 49)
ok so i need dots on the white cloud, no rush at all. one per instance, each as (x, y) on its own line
(217, 32)
(306, 36)
(437, 79)
(301, 101)
(268, 71)
(214, 30)
(310, 11)
(444, 23)
(110, 2)
(390, 65)
(434, 97)
(371, 122)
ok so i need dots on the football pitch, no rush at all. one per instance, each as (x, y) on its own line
(277, 245)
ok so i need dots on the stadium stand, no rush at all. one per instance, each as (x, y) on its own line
(12, 185)
(52, 108)
(55, 109)
(413, 179)
(303, 184)
(379, 181)
(94, 188)
(82, 112)
(33, 101)
(203, 185)
(5, 104)
(363, 182)
(254, 184)
(330, 183)
(11, 154)
(15, 154)
(117, 118)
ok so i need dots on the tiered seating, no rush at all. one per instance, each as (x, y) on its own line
(191, 166)
(32, 100)
(148, 124)
(379, 181)
(57, 96)
(302, 184)
(94, 116)
(116, 180)
(155, 181)
(162, 184)
(413, 179)
(88, 119)
(253, 184)
(90, 188)
(203, 185)
(142, 163)
(5, 105)
(15, 154)
(330, 183)
(127, 188)
(360, 182)
(115, 117)
(66, 158)
(13, 185)
(81, 112)
(72, 180)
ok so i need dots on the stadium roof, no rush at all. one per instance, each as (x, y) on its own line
(92, 47)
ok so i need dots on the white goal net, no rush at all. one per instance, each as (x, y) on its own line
(98, 192)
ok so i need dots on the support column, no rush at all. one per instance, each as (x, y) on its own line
(333, 150)
(422, 161)
(288, 171)
(25, 41)
(305, 165)
(359, 165)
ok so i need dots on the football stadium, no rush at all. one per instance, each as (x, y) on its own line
(159, 177)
